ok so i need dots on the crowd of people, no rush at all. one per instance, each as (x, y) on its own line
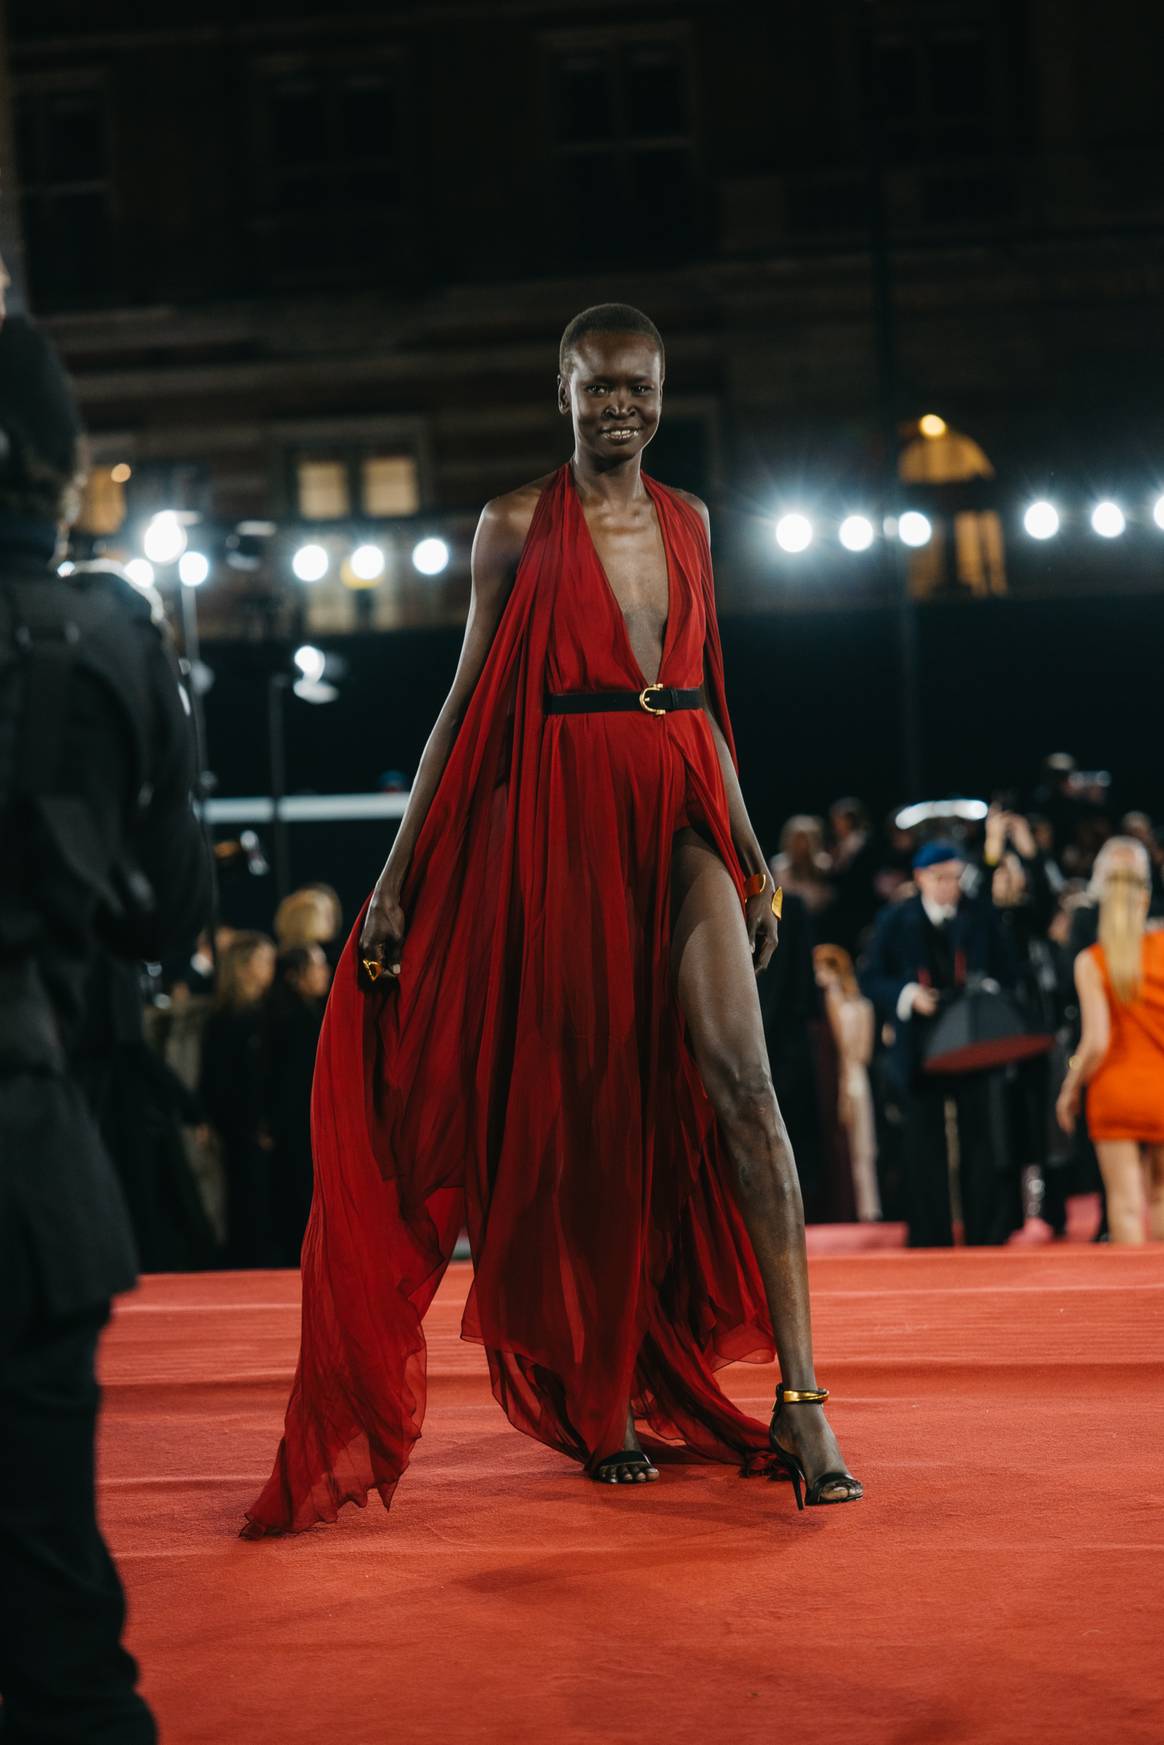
(938, 976)
(884, 932)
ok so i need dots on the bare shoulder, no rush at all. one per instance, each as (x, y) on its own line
(697, 504)
(505, 520)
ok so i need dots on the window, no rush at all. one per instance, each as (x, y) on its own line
(63, 163)
(623, 151)
(331, 156)
(333, 486)
(936, 86)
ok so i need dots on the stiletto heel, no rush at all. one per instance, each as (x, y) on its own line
(812, 1492)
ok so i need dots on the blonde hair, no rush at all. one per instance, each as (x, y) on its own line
(307, 917)
(1121, 879)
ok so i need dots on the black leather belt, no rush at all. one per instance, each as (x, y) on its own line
(655, 700)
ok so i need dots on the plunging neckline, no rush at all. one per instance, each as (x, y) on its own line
(613, 597)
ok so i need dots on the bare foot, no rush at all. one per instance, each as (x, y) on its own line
(803, 1430)
(610, 1470)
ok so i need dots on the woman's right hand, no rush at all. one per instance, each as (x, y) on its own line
(382, 935)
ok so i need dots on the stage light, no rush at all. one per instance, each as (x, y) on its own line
(913, 528)
(1107, 519)
(311, 662)
(932, 426)
(856, 533)
(193, 568)
(367, 563)
(66, 568)
(140, 572)
(164, 540)
(310, 563)
(1158, 513)
(121, 473)
(794, 532)
(430, 557)
(1041, 520)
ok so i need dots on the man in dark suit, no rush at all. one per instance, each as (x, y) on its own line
(922, 952)
(99, 852)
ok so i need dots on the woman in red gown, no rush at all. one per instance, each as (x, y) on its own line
(564, 1051)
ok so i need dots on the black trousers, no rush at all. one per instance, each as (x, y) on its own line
(64, 1676)
(990, 1191)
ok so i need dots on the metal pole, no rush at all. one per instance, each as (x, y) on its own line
(896, 569)
(276, 687)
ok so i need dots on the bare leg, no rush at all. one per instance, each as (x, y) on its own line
(1155, 1156)
(1123, 1178)
(716, 987)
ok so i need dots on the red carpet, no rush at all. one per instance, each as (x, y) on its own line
(1001, 1581)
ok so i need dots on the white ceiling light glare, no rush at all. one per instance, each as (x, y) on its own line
(914, 529)
(310, 563)
(856, 533)
(1042, 520)
(367, 563)
(430, 557)
(164, 539)
(1108, 519)
(1158, 512)
(193, 568)
(794, 532)
(140, 572)
(311, 662)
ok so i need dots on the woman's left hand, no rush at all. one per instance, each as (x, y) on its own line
(763, 929)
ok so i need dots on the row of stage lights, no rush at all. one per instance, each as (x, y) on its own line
(795, 531)
(166, 542)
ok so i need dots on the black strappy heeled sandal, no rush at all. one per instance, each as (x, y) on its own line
(627, 1457)
(812, 1494)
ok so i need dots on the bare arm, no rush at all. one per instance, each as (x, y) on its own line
(1094, 1042)
(763, 927)
(497, 547)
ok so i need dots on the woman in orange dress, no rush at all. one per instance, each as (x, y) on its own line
(1121, 1051)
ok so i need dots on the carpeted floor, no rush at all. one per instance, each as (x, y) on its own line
(1002, 1581)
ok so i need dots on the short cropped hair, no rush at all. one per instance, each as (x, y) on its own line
(42, 446)
(607, 318)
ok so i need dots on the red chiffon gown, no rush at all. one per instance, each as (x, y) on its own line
(529, 1076)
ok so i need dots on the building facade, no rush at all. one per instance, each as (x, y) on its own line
(310, 266)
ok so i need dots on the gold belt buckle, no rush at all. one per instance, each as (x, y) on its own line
(650, 707)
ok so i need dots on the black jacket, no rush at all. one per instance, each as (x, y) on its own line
(901, 951)
(100, 851)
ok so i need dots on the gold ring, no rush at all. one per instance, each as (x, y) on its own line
(778, 902)
(375, 970)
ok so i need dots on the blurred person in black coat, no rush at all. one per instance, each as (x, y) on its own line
(852, 871)
(291, 1024)
(923, 951)
(231, 1090)
(99, 851)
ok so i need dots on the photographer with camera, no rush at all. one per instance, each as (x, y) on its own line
(100, 852)
(923, 952)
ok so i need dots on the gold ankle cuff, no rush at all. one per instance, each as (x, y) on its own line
(803, 1396)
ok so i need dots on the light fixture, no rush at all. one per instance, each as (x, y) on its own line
(121, 473)
(430, 556)
(856, 533)
(66, 568)
(164, 539)
(794, 532)
(310, 563)
(311, 661)
(1042, 520)
(913, 528)
(1107, 519)
(140, 572)
(932, 426)
(1158, 513)
(367, 563)
(193, 568)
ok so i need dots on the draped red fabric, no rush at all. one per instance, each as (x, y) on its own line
(528, 1075)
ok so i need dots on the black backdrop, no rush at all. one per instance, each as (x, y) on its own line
(814, 700)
